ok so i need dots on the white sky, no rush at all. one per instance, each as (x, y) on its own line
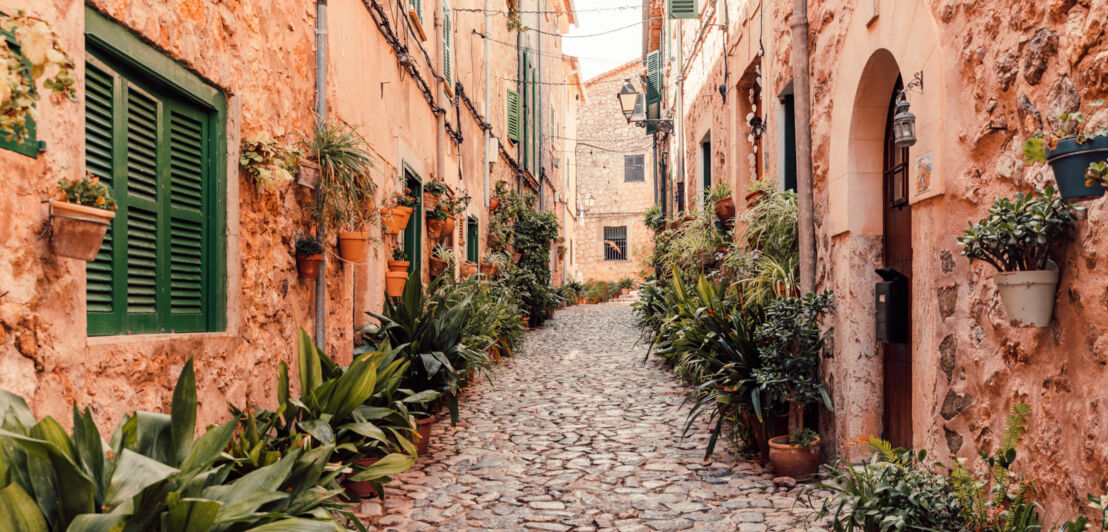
(604, 52)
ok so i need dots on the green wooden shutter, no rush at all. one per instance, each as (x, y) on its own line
(682, 9)
(101, 295)
(186, 209)
(447, 48)
(142, 212)
(512, 101)
(653, 88)
(472, 239)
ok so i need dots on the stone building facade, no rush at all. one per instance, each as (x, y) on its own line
(424, 82)
(615, 184)
(990, 72)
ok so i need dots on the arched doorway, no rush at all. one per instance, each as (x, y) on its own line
(897, 255)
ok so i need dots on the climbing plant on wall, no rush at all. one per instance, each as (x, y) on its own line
(521, 228)
(28, 47)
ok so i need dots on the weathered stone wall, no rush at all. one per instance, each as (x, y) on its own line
(990, 70)
(606, 199)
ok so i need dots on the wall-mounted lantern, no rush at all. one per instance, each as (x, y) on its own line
(757, 127)
(904, 122)
(629, 101)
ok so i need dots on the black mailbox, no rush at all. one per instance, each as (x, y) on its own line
(892, 307)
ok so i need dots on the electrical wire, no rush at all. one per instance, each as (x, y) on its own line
(553, 56)
(607, 32)
(546, 12)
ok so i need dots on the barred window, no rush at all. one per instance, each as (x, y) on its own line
(633, 168)
(615, 243)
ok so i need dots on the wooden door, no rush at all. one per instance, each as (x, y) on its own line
(898, 256)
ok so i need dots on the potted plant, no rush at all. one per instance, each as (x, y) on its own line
(345, 186)
(1071, 149)
(625, 285)
(436, 222)
(720, 197)
(309, 256)
(79, 221)
(267, 163)
(432, 191)
(1017, 238)
(492, 263)
(399, 262)
(757, 190)
(394, 282)
(789, 342)
(396, 218)
(441, 259)
(494, 204)
(469, 269)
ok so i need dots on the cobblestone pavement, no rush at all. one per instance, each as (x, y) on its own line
(576, 433)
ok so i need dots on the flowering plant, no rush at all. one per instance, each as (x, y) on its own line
(38, 49)
(89, 192)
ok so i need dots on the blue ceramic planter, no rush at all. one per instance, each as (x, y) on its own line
(1070, 160)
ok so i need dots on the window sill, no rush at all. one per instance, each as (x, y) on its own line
(130, 339)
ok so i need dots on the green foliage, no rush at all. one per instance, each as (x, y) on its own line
(691, 248)
(1069, 125)
(152, 475)
(307, 246)
(267, 163)
(89, 192)
(346, 188)
(1019, 235)
(1097, 174)
(626, 283)
(517, 225)
(654, 219)
(894, 491)
(398, 254)
(436, 188)
(39, 50)
(803, 438)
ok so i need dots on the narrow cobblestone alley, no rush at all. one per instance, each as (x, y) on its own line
(576, 433)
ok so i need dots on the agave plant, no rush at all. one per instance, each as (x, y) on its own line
(152, 475)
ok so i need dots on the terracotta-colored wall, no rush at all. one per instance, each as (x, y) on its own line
(988, 67)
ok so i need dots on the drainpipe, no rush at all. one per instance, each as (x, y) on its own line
(321, 114)
(539, 108)
(807, 231)
(679, 130)
(486, 108)
(521, 91)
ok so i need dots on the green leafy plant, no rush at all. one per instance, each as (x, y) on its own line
(89, 192)
(803, 437)
(440, 212)
(436, 188)
(1069, 125)
(625, 283)
(404, 199)
(398, 254)
(654, 218)
(346, 187)
(308, 246)
(1097, 174)
(39, 50)
(267, 163)
(1019, 235)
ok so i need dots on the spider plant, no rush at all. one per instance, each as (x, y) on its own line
(346, 188)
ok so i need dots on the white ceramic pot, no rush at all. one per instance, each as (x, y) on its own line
(1029, 296)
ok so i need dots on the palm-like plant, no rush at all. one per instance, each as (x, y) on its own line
(346, 187)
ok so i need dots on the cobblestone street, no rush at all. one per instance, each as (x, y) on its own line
(576, 433)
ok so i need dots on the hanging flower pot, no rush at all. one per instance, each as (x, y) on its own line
(1069, 161)
(363, 489)
(487, 269)
(396, 219)
(77, 231)
(353, 245)
(435, 227)
(436, 266)
(725, 210)
(494, 204)
(1028, 296)
(399, 266)
(753, 197)
(469, 269)
(796, 461)
(430, 201)
(423, 433)
(307, 266)
(394, 283)
(448, 226)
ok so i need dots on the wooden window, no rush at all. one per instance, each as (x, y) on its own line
(615, 243)
(447, 47)
(156, 145)
(682, 9)
(473, 244)
(653, 88)
(512, 101)
(417, 7)
(413, 239)
(30, 144)
(633, 168)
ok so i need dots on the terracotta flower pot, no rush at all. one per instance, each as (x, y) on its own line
(77, 231)
(792, 460)
(488, 269)
(308, 265)
(448, 226)
(399, 266)
(353, 245)
(394, 283)
(364, 489)
(435, 227)
(494, 204)
(423, 433)
(437, 266)
(516, 256)
(430, 201)
(624, 291)
(396, 219)
(469, 269)
(725, 210)
(753, 197)
(1028, 296)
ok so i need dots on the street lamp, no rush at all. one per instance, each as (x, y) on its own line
(629, 98)
(904, 123)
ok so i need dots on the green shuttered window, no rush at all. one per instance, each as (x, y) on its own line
(472, 239)
(682, 9)
(447, 47)
(512, 101)
(156, 270)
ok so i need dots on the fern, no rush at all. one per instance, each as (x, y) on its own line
(882, 447)
(1014, 427)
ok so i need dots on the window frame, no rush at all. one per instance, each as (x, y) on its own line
(604, 238)
(112, 43)
(641, 178)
